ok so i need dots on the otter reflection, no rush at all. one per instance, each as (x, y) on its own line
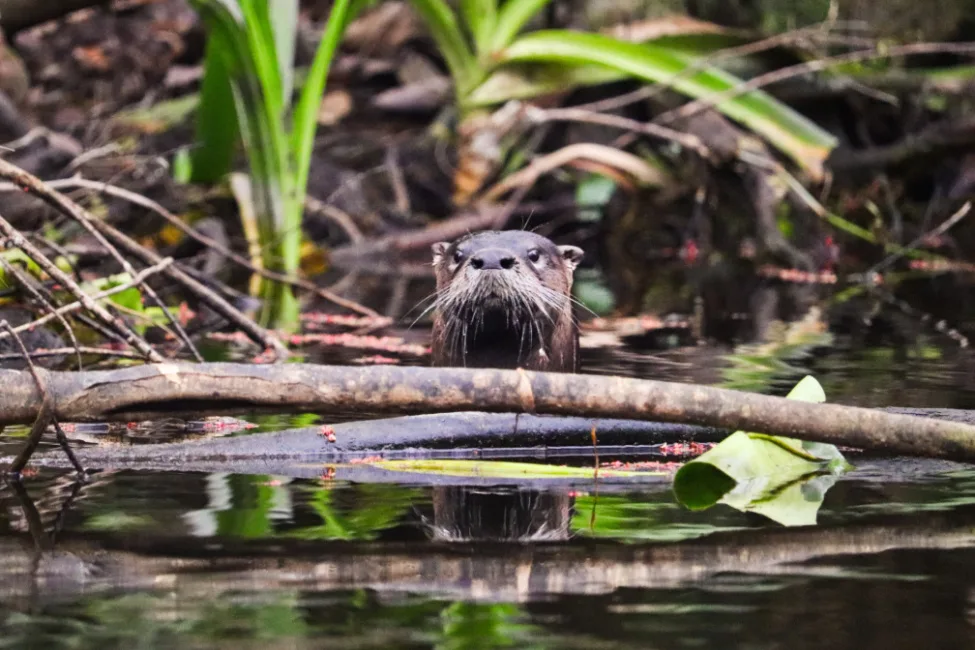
(468, 514)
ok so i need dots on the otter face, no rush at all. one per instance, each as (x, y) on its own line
(506, 251)
(503, 291)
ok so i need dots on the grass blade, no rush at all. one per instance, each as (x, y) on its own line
(442, 23)
(305, 119)
(481, 17)
(283, 19)
(216, 121)
(512, 19)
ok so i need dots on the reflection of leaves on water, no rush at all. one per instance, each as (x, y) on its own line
(754, 367)
(201, 619)
(117, 521)
(356, 512)
(472, 626)
(947, 491)
(642, 517)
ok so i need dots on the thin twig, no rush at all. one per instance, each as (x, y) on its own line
(28, 285)
(329, 211)
(44, 416)
(397, 180)
(614, 158)
(74, 306)
(193, 233)
(60, 352)
(118, 324)
(788, 72)
(80, 216)
(936, 232)
(686, 140)
(37, 187)
(62, 438)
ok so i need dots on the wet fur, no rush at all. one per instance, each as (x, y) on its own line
(516, 318)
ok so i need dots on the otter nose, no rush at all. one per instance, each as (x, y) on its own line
(492, 260)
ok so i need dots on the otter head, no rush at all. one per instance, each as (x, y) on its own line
(504, 301)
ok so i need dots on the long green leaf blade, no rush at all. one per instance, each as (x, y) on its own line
(216, 121)
(283, 19)
(305, 120)
(481, 17)
(512, 18)
(442, 23)
(793, 134)
(253, 78)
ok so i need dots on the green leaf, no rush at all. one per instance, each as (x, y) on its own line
(182, 165)
(592, 194)
(481, 17)
(216, 120)
(442, 23)
(283, 19)
(590, 289)
(130, 298)
(795, 135)
(530, 80)
(306, 111)
(512, 18)
(252, 70)
(781, 478)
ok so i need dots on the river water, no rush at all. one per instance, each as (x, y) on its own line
(139, 559)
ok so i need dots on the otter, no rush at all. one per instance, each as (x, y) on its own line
(504, 301)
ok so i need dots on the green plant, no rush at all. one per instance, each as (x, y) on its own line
(490, 64)
(247, 95)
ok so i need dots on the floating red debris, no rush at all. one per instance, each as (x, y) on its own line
(646, 465)
(796, 276)
(376, 360)
(267, 356)
(941, 266)
(229, 337)
(185, 314)
(341, 320)
(689, 253)
(225, 425)
(685, 448)
(365, 460)
(328, 432)
(392, 344)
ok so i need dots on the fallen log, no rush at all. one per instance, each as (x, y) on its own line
(187, 390)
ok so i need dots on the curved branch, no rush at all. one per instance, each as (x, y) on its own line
(155, 390)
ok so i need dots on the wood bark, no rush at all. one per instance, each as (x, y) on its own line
(188, 390)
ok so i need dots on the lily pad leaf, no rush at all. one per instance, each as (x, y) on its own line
(784, 479)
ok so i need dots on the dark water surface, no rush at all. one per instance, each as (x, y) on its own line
(181, 560)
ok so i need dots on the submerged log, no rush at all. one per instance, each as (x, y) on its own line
(299, 452)
(185, 390)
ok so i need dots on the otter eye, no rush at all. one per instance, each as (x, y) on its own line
(534, 255)
(458, 257)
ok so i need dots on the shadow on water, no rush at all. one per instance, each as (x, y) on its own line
(190, 559)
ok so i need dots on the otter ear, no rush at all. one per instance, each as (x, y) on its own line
(439, 250)
(572, 256)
